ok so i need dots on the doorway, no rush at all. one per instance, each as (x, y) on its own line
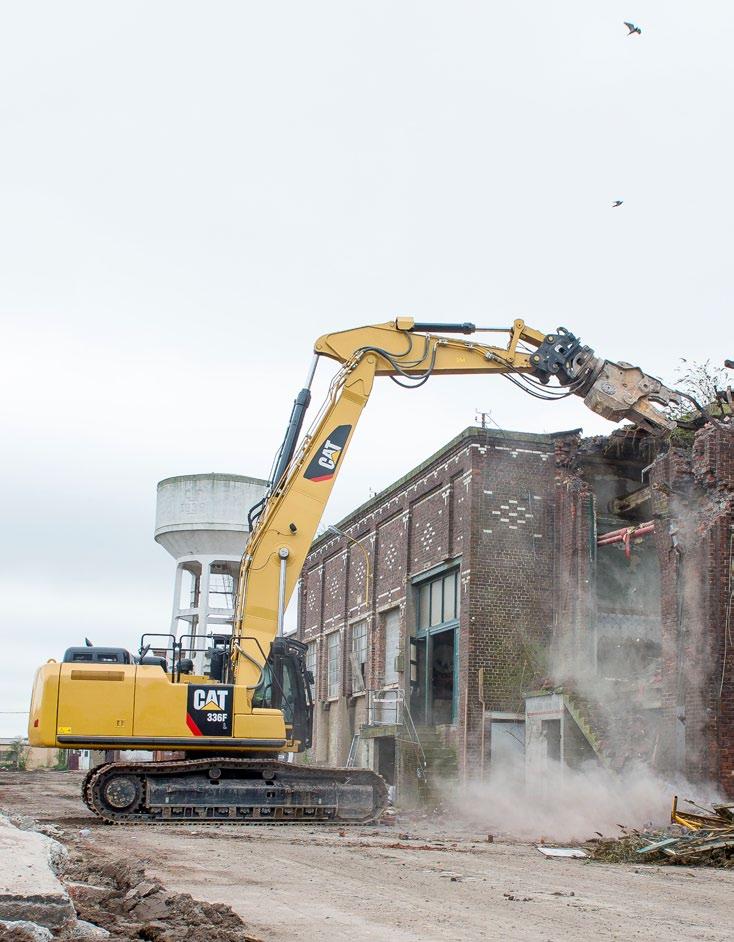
(434, 662)
(551, 732)
(385, 759)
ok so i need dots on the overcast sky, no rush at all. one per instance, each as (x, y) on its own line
(191, 193)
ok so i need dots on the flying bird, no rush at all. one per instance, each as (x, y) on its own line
(617, 203)
(632, 28)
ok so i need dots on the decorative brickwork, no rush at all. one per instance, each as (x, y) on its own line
(509, 584)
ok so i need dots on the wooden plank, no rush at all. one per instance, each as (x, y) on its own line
(631, 501)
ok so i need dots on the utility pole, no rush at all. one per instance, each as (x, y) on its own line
(485, 418)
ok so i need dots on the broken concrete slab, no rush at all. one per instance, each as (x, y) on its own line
(21, 930)
(29, 888)
(142, 889)
(88, 893)
(152, 907)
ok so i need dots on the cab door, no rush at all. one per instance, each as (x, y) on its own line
(284, 686)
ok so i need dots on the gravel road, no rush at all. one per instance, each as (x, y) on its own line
(420, 880)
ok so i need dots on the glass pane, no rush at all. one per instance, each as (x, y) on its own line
(262, 695)
(436, 614)
(288, 695)
(424, 603)
(333, 664)
(359, 641)
(458, 592)
(449, 597)
(391, 627)
(311, 661)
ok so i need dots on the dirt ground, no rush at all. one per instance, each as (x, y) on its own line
(422, 878)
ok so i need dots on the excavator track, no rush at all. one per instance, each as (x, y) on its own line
(232, 791)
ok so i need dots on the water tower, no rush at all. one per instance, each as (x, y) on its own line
(201, 519)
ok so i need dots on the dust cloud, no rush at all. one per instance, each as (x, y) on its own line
(568, 805)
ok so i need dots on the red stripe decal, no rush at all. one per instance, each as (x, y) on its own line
(324, 477)
(192, 726)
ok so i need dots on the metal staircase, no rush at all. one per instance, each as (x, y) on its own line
(388, 714)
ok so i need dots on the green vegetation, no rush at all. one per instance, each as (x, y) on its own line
(62, 761)
(16, 756)
(703, 382)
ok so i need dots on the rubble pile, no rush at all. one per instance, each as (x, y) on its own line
(693, 839)
(617, 849)
(116, 895)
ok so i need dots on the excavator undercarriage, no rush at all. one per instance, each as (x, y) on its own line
(231, 790)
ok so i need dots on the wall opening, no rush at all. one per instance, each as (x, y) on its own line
(385, 758)
(434, 691)
(551, 733)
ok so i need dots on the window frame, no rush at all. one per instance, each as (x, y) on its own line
(312, 664)
(363, 625)
(334, 683)
(424, 592)
(424, 632)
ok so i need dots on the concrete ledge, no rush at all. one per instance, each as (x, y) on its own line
(29, 889)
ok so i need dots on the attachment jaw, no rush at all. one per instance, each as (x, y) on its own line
(615, 391)
(622, 391)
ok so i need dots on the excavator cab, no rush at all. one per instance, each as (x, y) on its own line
(285, 685)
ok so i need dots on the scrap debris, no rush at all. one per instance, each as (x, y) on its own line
(698, 839)
(561, 851)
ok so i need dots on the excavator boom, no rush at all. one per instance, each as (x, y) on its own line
(401, 349)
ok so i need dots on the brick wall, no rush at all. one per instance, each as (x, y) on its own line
(485, 500)
(574, 545)
(694, 507)
(509, 577)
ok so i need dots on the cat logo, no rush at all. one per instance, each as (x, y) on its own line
(209, 710)
(210, 700)
(322, 466)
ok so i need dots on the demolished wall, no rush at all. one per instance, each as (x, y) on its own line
(642, 631)
(694, 509)
(606, 637)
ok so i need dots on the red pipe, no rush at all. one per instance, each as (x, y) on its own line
(625, 535)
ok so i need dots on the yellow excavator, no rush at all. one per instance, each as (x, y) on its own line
(233, 722)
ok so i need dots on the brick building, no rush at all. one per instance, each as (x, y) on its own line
(467, 612)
